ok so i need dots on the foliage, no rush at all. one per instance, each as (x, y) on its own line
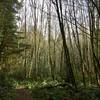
(8, 43)
(51, 90)
(6, 87)
(59, 93)
(8, 26)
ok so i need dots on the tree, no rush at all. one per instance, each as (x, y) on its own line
(70, 74)
(8, 27)
(92, 24)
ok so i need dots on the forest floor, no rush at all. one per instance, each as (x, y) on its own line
(23, 94)
(52, 91)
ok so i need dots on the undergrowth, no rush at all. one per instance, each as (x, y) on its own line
(51, 90)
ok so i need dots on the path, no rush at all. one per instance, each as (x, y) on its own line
(23, 94)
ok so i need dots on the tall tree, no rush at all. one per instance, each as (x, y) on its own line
(8, 27)
(70, 74)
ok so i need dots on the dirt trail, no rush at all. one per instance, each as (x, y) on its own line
(23, 94)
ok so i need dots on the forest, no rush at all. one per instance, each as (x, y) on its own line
(49, 49)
